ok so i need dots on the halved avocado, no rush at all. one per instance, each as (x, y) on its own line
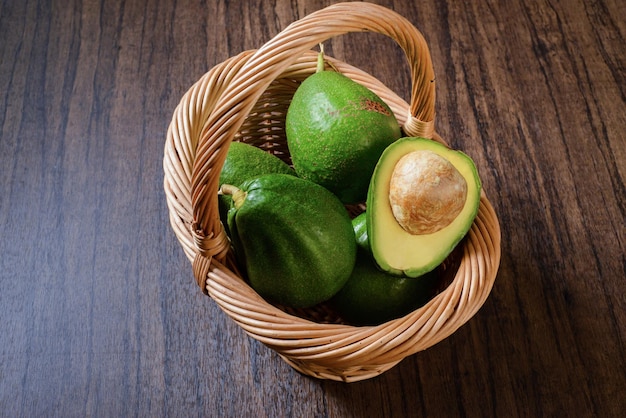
(422, 200)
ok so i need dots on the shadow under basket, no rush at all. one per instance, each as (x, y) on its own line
(245, 98)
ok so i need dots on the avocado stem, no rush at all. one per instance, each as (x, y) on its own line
(238, 195)
(320, 60)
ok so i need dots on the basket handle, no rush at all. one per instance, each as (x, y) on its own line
(266, 64)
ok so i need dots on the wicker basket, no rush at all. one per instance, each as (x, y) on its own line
(245, 98)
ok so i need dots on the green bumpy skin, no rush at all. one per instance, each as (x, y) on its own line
(336, 130)
(243, 162)
(294, 239)
(371, 296)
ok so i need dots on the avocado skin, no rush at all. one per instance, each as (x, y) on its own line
(359, 224)
(336, 130)
(245, 161)
(371, 296)
(294, 240)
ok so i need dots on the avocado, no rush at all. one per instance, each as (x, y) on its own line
(371, 296)
(245, 161)
(422, 200)
(359, 224)
(293, 239)
(336, 130)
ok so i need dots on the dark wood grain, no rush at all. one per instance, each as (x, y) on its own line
(100, 314)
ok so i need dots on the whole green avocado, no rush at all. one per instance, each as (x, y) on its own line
(293, 238)
(371, 296)
(336, 130)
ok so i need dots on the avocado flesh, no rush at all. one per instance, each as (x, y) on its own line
(397, 251)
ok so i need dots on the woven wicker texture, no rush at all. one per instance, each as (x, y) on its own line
(245, 98)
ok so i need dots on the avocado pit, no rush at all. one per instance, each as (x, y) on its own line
(426, 192)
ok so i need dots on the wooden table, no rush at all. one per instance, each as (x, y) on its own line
(100, 313)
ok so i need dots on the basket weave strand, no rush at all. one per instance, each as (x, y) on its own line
(245, 98)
